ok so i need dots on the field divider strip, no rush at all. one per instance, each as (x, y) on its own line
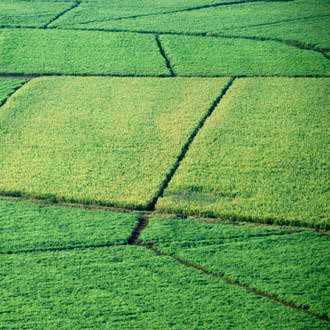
(3, 102)
(186, 146)
(228, 281)
(196, 8)
(75, 5)
(163, 54)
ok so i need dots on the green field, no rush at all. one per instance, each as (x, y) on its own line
(262, 155)
(128, 286)
(96, 146)
(30, 227)
(164, 164)
(24, 13)
(241, 57)
(33, 51)
(299, 267)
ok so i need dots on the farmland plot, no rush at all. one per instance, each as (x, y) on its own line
(269, 164)
(208, 20)
(191, 56)
(96, 11)
(26, 51)
(237, 151)
(110, 141)
(312, 32)
(29, 227)
(128, 287)
(25, 13)
(287, 264)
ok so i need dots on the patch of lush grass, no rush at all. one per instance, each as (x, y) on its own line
(8, 86)
(312, 32)
(294, 268)
(101, 11)
(261, 156)
(125, 288)
(224, 56)
(27, 227)
(99, 140)
(192, 233)
(211, 20)
(79, 52)
(26, 13)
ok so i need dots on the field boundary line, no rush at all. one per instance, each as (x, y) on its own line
(75, 5)
(186, 146)
(163, 54)
(228, 281)
(196, 8)
(142, 224)
(4, 101)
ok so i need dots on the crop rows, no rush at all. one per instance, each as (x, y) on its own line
(118, 286)
(161, 162)
(96, 147)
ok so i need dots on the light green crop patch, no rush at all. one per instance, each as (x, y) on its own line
(262, 156)
(99, 140)
(129, 288)
(26, 13)
(29, 227)
(192, 56)
(292, 266)
(29, 51)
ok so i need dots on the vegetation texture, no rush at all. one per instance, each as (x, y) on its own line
(191, 56)
(29, 51)
(26, 13)
(261, 156)
(7, 87)
(28, 227)
(110, 141)
(125, 288)
(204, 20)
(291, 265)
(199, 108)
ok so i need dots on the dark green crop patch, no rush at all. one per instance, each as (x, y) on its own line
(128, 288)
(200, 56)
(208, 20)
(27, 13)
(29, 51)
(292, 266)
(28, 227)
